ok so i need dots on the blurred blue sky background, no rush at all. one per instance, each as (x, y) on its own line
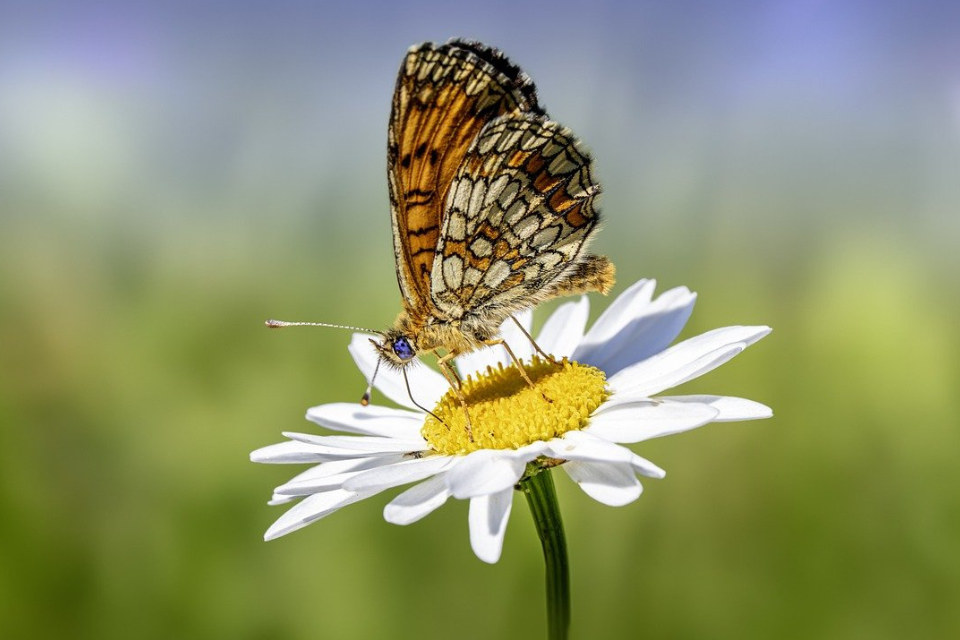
(172, 174)
(809, 112)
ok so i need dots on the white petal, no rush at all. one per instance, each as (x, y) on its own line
(332, 475)
(730, 408)
(311, 509)
(584, 445)
(563, 330)
(685, 361)
(342, 466)
(646, 468)
(636, 329)
(310, 487)
(480, 359)
(483, 472)
(360, 445)
(490, 470)
(652, 376)
(651, 419)
(395, 475)
(488, 524)
(618, 314)
(371, 420)
(297, 453)
(612, 484)
(417, 501)
(426, 385)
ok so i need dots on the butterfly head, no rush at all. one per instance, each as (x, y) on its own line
(396, 348)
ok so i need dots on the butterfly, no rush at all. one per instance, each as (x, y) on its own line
(492, 205)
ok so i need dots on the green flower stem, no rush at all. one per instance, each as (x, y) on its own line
(542, 498)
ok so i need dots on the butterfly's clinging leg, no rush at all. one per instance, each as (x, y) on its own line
(453, 371)
(455, 383)
(516, 361)
(448, 372)
(549, 358)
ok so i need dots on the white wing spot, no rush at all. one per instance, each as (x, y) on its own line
(496, 274)
(471, 277)
(526, 227)
(457, 227)
(476, 199)
(546, 237)
(481, 247)
(460, 198)
(453, 271)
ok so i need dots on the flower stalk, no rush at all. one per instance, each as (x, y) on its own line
(542, 498)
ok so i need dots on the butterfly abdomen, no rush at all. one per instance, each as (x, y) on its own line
(593, 273)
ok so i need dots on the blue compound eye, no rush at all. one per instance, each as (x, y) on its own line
(401, 347)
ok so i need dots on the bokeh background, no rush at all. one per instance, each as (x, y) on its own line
(172, 174)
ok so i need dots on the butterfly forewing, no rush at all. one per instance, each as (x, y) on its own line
(518, 215)
(444, 97)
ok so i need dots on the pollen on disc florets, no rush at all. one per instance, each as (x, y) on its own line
(507, 413)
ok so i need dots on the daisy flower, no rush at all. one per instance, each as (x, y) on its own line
(601, 393)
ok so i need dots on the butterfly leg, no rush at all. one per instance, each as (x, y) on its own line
(449, 372)
(455, 383)
(516, 361)
(549, 358)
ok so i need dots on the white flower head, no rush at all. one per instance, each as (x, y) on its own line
(627, 349)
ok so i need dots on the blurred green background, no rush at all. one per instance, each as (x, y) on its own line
(172, 174)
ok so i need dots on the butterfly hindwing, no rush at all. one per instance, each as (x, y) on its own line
(445, 95)
(518, 216)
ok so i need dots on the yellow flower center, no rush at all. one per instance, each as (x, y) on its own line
(507, 413)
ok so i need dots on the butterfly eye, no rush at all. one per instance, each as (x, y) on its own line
(401, 347)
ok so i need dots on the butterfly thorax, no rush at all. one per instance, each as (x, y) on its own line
(412, 335)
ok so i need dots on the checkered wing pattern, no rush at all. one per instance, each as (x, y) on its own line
(519, 214)
(445, 96)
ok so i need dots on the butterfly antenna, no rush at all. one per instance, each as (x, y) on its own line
(365, 400)
(279, 324)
